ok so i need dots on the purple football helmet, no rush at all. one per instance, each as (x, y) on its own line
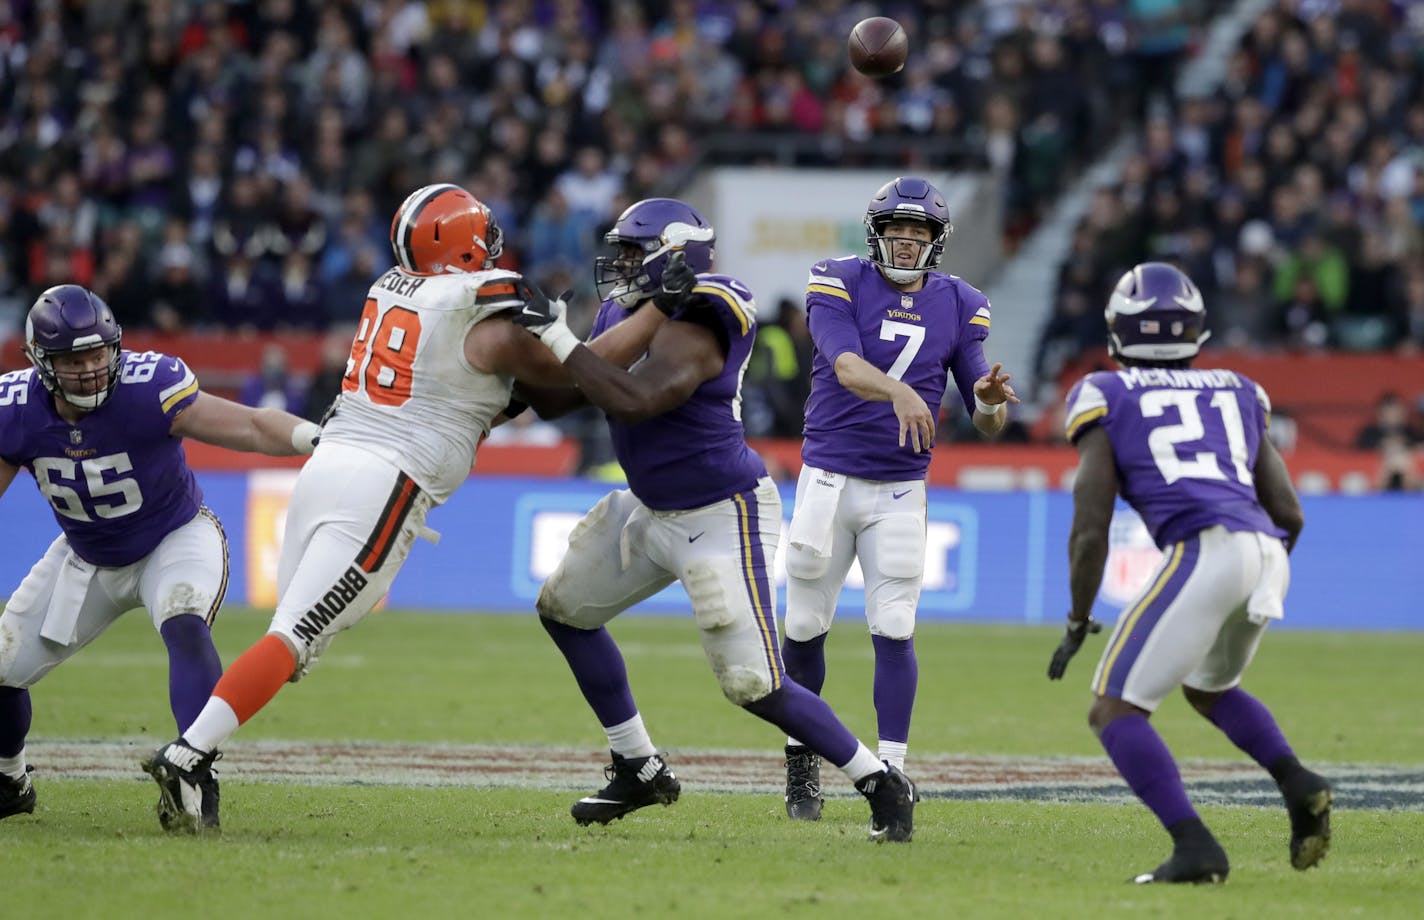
(658, 227)
(68, 318)
(1155, 313)
(906, 198)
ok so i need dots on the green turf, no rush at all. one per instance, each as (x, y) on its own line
(396, 852)
(491, 679)
(94, 849)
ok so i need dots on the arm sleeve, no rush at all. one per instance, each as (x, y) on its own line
(833, 327)
(968, 364)
(176, 386)
(829, 314)
(1087, 406)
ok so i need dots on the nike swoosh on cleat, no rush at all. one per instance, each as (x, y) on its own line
(595, 800)
(696, 538)
(899, 495)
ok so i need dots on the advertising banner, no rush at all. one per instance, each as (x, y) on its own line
(992, 556)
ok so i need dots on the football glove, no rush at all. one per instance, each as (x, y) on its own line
(677, 283)
(538, 312)
(545, 318)
(1073, 638)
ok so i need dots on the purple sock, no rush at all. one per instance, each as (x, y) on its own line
(598, 667)
(806, 662)
(15, 713)
(1142, 758)
(1250, 726)
(897, 674)
(806, 717)
(193, 666)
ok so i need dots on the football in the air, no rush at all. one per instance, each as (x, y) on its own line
(878, 46)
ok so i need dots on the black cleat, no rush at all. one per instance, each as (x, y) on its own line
(17, 796)
(633, 783)
(1308, 798)
(1196, 858)
(188, 791)
(210, 819)
(892, 798)
(803, 784)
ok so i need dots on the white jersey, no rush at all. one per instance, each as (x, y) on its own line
(409, 396)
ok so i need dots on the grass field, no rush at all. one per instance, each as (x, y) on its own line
(93, 847)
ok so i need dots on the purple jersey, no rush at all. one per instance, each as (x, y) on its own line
(920, 338)
(1185, 442)
(696, 454)
(119, 482)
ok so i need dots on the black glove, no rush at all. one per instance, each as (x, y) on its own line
(1073, 638)
(538, 312)
(678, 280)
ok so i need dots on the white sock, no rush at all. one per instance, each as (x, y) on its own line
(862, 764)
(14, 767)
(630, 738)
(214, 725)
(893, 752)
(792, 742)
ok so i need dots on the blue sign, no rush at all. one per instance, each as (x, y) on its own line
(992, 556)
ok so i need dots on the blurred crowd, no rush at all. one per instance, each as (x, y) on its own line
(233, 163)
(1293, 195)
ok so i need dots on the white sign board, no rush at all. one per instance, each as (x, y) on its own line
(773, 224)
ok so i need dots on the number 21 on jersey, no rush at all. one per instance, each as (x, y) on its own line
(383, 354)
(1165, 441)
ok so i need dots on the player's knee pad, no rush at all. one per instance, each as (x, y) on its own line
(743, 685)
(182, 598)
(557, 604)
(804, 564)
(802, 623)
(893, 621)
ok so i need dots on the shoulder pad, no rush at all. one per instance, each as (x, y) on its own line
(730, 300)
(497, 289)
(1087, 403)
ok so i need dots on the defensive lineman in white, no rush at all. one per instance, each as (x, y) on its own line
(430, 372)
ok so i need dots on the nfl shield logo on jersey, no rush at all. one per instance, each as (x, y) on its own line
(76, 436)
(907, 301)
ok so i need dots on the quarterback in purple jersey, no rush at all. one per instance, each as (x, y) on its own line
(699, 508)
(1188, 451)
(889, 331)
(101, 429)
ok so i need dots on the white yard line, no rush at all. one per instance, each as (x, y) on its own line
(953, 776)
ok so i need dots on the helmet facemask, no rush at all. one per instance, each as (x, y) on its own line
(883, 244)
(635, 270)
(86, 389)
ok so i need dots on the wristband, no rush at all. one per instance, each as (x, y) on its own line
(304, 437)
(985, 408)
(561, 340)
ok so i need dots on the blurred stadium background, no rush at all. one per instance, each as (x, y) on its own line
(223, 171)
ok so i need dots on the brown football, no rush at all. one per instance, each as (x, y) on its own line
(878, 46)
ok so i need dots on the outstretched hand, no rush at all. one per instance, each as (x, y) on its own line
(993, 388)
(1073, 637)
(677, 282)
(539, 313)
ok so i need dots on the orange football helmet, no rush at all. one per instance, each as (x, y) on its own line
(443, 228)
